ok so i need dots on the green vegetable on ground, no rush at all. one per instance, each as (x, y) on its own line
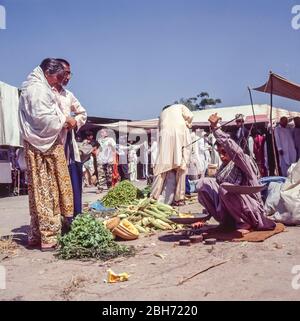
(148, 215)
(89, 238)
(124, 193)
(146, 191)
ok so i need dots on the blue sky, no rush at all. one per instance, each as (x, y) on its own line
(132, 57)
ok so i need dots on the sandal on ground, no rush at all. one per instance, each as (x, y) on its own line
(33, 244)
(178, 203)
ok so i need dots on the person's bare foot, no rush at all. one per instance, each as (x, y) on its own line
(243, 231)
(244, 228)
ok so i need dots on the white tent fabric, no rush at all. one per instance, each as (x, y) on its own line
(9, 124)
(146, 124)
(262, 113)
(200, 119)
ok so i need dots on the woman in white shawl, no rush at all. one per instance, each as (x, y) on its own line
(49, 185)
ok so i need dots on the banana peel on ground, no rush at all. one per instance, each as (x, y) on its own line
(113, 277)
(162, 256)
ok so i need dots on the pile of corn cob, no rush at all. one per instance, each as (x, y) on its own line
(148, 215)
(192, 199)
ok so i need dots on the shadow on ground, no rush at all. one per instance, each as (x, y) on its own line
(185, 233)
(20, 235)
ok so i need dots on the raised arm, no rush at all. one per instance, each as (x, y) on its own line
(234, 151)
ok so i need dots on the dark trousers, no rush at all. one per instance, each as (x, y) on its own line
(123, 171)
(187, 186)
(75, 170)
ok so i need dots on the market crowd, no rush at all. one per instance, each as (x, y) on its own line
(178, 161)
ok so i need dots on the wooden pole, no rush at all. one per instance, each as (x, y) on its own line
(272, 130)
(18, 188)
(250, 94)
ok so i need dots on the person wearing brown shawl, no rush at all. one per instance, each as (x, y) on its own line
(243, 212)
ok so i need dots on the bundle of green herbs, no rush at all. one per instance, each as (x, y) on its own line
(88, 238)
(146, 191)
(122, 194)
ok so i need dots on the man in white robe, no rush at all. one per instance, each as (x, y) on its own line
(204, 152)
(285, 145)
(174, 134)
(154, 149)
(196, 165)
(296, 136)
(105, 160)
(69, 105)
(145, 150)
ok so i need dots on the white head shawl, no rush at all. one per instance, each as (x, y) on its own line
(40, 117)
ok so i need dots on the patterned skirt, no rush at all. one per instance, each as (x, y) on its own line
(50, 192)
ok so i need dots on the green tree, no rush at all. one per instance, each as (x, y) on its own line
(201, 101)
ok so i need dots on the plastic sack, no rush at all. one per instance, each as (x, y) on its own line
(266, 181)
(273, 197)
(288, 207)
(99, 207)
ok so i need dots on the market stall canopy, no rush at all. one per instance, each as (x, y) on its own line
(281, 87)
(9, 123)
(133, 127)
(262, 113)
(146, 124)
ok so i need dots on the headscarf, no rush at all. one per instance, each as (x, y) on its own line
(40, 117)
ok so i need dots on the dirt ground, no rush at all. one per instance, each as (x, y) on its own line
(251, 271)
